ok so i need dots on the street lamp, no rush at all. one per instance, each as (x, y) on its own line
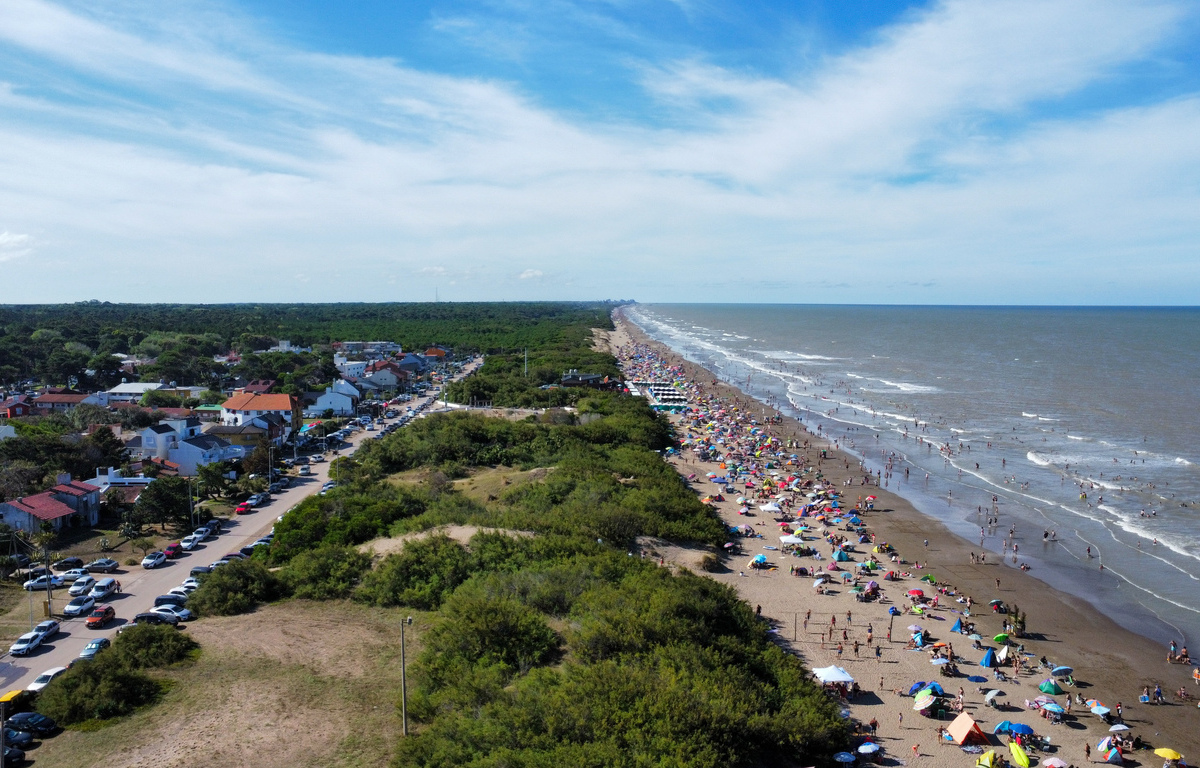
(403, 677)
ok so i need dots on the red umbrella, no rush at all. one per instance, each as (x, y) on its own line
(916, 593)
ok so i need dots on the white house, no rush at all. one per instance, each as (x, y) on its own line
(340, 404)
(347, 367)
(130, 392)
(181, 441)
(246, 406)
(158, 439)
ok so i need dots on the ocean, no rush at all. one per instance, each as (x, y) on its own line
(1075, 426)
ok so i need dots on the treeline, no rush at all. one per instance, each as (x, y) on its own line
(57, 342)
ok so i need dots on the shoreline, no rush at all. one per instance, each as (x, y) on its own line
(1112, 663)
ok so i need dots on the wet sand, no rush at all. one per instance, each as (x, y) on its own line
(1111, 663)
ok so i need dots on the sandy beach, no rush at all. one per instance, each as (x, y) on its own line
(1111, 664)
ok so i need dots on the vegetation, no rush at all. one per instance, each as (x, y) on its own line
(114, 683)
(236, 587)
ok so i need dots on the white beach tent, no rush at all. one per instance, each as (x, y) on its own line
(790, 539)
(833, 675)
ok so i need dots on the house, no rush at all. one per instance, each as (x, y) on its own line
(341, 404)
(182, 444)
(15, 406)
(130, 487)
(246, 435)
(347, 367)
(194, 452)
(259, 386)
(411, 364)
(60, 403)
(70, 503)
(158, 439)
(243, 407)
(574, 378)
(385, 374)
(436, 354)
(130, 392)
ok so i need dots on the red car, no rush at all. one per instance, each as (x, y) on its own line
(243, 508)
(100, 615)
(173, 550)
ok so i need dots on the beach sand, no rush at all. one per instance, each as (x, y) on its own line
(1111, 663)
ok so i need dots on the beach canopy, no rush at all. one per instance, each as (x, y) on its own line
(1050, 686)
(987, 760)
(1002, 727)
(1168, 754)
(1021, 728)
(789, 539)
(964, 730)
(1114, 756)
(958, 627)
(869, 748)
(1061, 671)
(833, 675)
(1020, 757)
(841, 556)
(989, 659)
(916, 687)
(844, 757)
(1054, 762)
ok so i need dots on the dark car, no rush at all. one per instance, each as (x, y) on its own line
(23, 561)
(32, 722)
(67, 563)
(201, 569)
(13, 756)
(20, 739)
(103, 565)
(38, 572)
(155, 618)
(178, 600)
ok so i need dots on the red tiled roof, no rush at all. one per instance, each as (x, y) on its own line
(60, 399)
(43, 506)
(250, 402)
(75, 488)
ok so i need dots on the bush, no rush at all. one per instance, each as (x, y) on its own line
(419, 576)
(97, 690)
(711, 563)
(238, 587)
(485, 632)
(148, 645)
(326, 573)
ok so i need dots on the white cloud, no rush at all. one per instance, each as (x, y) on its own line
(915, 160)
(14, 246)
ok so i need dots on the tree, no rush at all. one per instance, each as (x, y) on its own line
(211, 480)
(166, 501)
(259, 461)
(143, 545)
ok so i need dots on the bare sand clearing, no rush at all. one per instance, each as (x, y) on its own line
(460, 533)
(1112, 664)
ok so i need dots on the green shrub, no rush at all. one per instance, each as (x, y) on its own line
(419, 576)
(147, 645)
(711, 563)
(238, 587)
(326, 573)
(97, 690)
(484, 632)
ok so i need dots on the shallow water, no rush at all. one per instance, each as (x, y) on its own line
(1032, 406)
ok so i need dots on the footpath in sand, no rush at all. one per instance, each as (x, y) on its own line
(1110, 664)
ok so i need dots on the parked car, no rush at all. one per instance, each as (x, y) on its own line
(179, 592)
(170, 599)
(25, 644)
(38, 571)
(103, 565)
(80, 606)
(242, 508)
(305, 471)
(47, 628)
(95, 646)
(203, 533)
(72, 575)
(104, 588)
(190, 542)
(173, 550)
(190, 583)
(234, 555)
(68, 563)
(200, 570)
(42, 680)
(153, 560)
(101, 615)
(43, 582)
(19, 739)
(82, 586)
(150, 617)
(33, 722)
(182, 614)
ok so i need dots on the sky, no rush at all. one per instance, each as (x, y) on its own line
(850, 151)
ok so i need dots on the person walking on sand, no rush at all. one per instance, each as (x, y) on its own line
(1087, 752)
(900, 717)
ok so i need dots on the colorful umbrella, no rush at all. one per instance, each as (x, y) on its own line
(1000, 638)
(1168, 754)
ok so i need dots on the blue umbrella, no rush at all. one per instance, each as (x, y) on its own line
(869, 748)
(916, 687)
(1003, 726)
(977, 679)
(893, 611)
(1061, 671)
(1020, 728)
(1055, 708)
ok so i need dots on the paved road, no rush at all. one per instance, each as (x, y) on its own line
(141, 586)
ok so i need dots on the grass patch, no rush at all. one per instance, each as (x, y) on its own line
(487, 484)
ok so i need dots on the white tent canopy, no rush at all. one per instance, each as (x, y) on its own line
(789, 539)
(833, 675)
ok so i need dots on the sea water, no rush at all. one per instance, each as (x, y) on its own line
(1076, 426)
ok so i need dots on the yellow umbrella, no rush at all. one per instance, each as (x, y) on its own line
(1019, 756)
(1169, 754)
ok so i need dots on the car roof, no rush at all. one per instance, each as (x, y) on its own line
(54, 671)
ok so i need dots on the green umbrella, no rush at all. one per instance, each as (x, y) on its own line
(1000, 638)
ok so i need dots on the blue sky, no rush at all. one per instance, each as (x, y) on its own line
(1004, 152)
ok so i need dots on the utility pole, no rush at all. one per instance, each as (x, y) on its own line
(404, 677)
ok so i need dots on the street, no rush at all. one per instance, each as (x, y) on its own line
(139, 586)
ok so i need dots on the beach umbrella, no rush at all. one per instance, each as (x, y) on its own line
(974, 636)
(1002, 727)
(992, 695)
(929, 578)
(844, 757)
(1118, 727)
(922, 703)
(936, 687)
(1022, 729)
(856, 590)
(1054, 762)
(1043, 700)
(914, 628)
(869, 748)
(1000, 638)
(1055, 708)
(1094, 703)
(916, 687)
(730, 545)
(818, 583)
(760, 558)
(939, 662)
(1105, 743)
(977, 679)
(1020, 757)
(1100, 710)
(1049, 686)
(996, 602)
(1168, 754)
(916, 593)
(1061, 671)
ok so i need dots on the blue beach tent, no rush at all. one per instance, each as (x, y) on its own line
(989, 659)
(916, 687)
(957, 626)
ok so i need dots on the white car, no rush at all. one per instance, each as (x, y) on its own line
(82, 586)
(153, 560)
(47, 628)
(74, 574)
(183, 614)
(44, 679)
(188, 543)
(190, 583)
(41, 582)
(25, 644)
(80, 606)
